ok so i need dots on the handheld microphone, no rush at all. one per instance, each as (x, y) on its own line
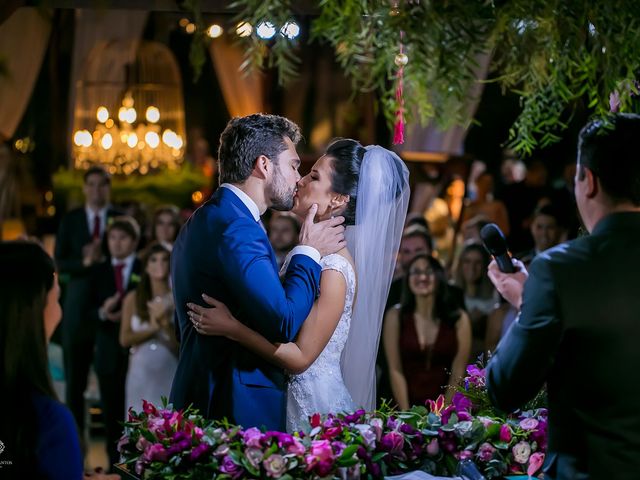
(496, 245)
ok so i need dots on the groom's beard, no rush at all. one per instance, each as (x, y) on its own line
(280, 195)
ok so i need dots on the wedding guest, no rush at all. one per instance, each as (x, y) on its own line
(546, 231)
(480, 297)
(147, 330)
(113, 279)
(283, 234)
(165, 225)
(38, 432)
(79, 248)
(486, 205)
(427, 339)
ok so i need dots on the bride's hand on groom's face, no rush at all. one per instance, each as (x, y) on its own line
(327, 236)
(216, 320)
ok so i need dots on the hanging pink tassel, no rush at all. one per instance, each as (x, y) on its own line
(398, 129)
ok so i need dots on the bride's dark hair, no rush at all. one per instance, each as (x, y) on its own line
(347, 157)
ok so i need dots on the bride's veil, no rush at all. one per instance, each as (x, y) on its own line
(381, 210)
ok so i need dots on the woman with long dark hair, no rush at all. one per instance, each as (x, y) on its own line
(427, 339)
(147, 328)
(38, 433)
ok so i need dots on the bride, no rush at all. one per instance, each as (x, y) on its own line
(332, 361)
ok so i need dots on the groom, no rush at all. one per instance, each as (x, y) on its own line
(223, 250)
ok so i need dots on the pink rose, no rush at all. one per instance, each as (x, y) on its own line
(521, 452)
(321, 449)
(535, 462)
(464, 455)
(142, 444)
(528, 423)
(296, 447)
(155, 453)
(392, 442)
(505, 433)
(252, 437)
(486, 451)
(275, 465)
(149, 408)
(254, 456)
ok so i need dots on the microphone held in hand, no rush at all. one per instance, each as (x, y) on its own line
(496, 244)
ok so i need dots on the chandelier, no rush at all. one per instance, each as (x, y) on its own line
(129, 115)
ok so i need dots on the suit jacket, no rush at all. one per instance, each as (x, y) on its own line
(578, 331)
(73, 235)
(110, 357)
(224, 252)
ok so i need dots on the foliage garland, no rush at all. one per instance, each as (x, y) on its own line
(554, 54)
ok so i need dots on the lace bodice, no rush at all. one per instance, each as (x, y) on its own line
(321, 389)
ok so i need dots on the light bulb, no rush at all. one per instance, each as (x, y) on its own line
(122, 114)
(266, 30)
(132, 141)
(152, 114)
(131, 115)
(244, 29)
(290, 30)
(107, 141)
(102, 114)
(152, 139)
(214, 31)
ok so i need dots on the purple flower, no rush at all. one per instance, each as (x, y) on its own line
(230, 468)
(464, 455)
(521, 452)
(198, 452)
(505, 433)
(252, 437)
(142, 444)
(539, 435)
(434, 447)
(254, 456)
(528, 423)
(338, 448)
(392, 442)
(324, 468)
(407, 429)
(275, 465)
(460, 402)
(155, 453)
(354, 417)
(377, 425)
(368, 435)
(486, 451)
(392, 423)
(123, 443)
(139, 467)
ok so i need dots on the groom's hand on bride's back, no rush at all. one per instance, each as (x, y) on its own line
(326, 236)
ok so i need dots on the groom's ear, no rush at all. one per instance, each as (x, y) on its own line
(262, 167)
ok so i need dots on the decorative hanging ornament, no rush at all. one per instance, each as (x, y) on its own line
(395, 11)
(400, 61)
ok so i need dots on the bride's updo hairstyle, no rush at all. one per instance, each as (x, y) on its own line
(347, 157)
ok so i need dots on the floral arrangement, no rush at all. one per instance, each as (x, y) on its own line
(163, 443)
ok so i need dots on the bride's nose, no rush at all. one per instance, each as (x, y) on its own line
(302, 182)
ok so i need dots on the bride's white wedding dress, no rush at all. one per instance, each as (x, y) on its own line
(321, 388)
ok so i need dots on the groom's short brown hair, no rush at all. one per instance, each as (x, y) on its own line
(244, 139)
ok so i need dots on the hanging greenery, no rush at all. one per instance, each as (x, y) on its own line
(554, 54)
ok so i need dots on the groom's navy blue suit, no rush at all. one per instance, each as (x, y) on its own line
(223, 251)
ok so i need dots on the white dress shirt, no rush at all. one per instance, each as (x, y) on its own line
(255, 211)
(102, 213)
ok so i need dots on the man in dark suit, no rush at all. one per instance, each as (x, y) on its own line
(79, 248)
(579, 321)
(112, 280)
(223, 250)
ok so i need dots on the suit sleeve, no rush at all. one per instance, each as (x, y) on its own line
(277, 309)
(519, 367)
(67, 261)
